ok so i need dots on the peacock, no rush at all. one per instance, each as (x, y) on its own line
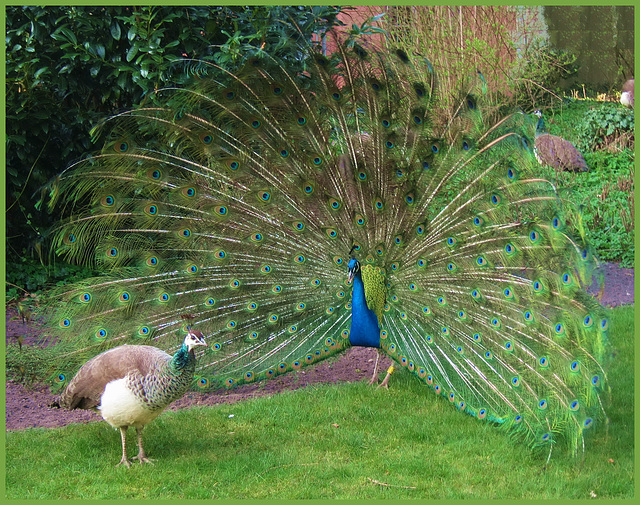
(296, 213)
(132, 384)
(555, 151)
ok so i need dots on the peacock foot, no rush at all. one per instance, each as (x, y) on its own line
(385, 382)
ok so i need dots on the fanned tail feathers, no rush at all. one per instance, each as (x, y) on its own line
(240, 201)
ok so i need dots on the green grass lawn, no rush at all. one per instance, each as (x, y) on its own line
(342, 441)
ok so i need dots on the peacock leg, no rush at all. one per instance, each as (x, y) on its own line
(385, 382)
(123, 434)
(374, 378)
(141, 455)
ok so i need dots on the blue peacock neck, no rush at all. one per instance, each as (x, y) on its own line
(365, 329)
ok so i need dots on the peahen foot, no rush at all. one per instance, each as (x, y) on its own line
(124, 461)
(142, 457)
(123, 435)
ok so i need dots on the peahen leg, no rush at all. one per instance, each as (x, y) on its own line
(123, 434)
(141, 455)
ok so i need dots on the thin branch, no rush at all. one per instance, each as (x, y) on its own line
(389, 485)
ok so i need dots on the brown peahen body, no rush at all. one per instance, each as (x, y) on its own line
(557, 152)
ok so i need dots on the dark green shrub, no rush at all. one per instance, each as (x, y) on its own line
(609, 127)
(27, 276)
(69, 67)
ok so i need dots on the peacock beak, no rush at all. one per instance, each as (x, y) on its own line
(350, 276)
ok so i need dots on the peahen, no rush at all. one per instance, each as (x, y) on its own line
(132, 384)
(628, 94)
(295, 214)
(555, 151)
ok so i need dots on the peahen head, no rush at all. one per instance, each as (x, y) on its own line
(540, 127)
(184, 359)
(193, 339)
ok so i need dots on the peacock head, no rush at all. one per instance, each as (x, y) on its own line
(193, 339)
(354, 268)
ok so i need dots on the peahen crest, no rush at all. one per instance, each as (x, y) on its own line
(290, 212)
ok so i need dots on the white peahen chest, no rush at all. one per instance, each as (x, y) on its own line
(119, 406)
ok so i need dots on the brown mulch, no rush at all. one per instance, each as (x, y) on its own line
(29, 407)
